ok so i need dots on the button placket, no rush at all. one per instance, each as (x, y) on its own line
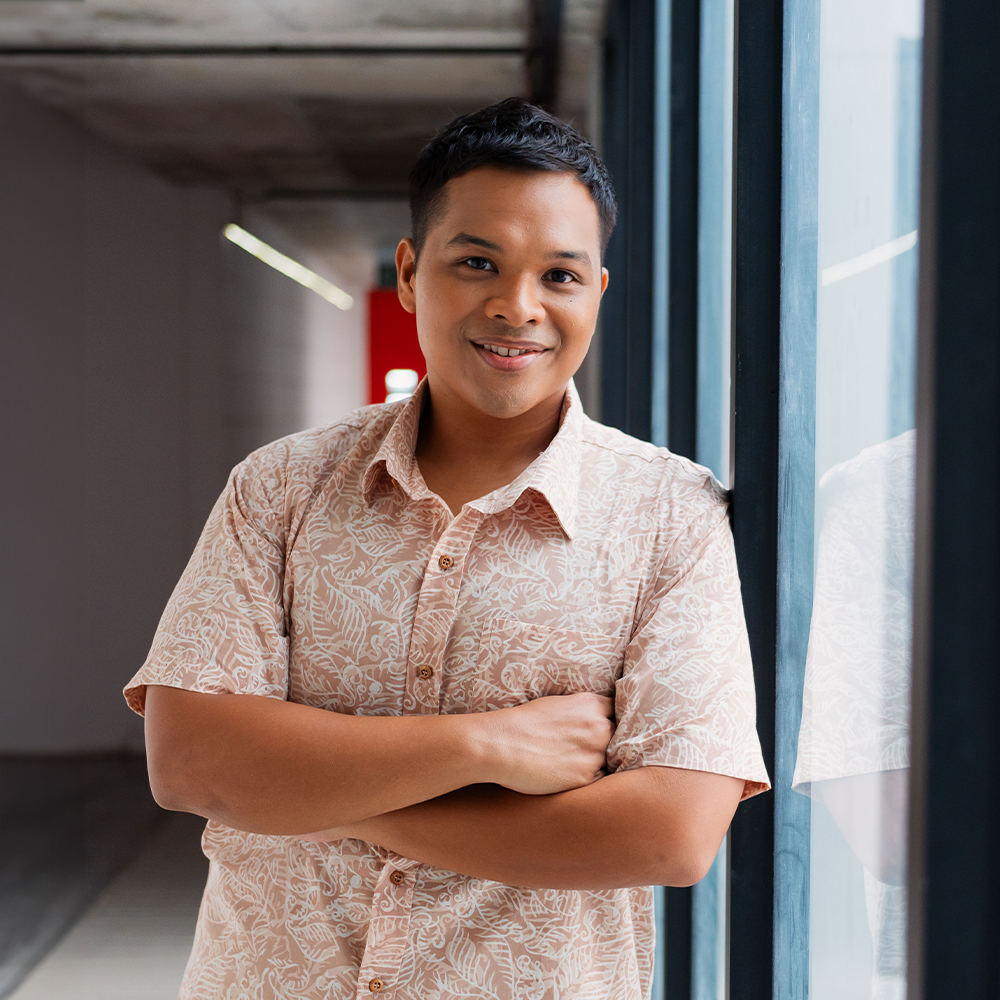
(435, 615)
(388, 930)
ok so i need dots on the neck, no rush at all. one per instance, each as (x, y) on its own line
(464, 453)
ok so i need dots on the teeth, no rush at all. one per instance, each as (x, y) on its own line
(505, 352)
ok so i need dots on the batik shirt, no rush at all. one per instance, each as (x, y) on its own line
(328, 574)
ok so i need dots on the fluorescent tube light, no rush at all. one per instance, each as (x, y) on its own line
(293, 269)
(837, 272)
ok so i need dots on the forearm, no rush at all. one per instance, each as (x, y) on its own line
(275, 767)
(650, 826)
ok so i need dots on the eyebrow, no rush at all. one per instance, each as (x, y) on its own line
(580, 255)
(466, 239)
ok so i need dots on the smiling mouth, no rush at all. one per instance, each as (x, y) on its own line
(507, 358)
(509, 352)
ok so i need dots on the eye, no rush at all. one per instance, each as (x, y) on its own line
(479, 263)
(561, 277)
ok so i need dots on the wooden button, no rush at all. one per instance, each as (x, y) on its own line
(376, 985)
(397, 878)
(446, 562)
(425, 673)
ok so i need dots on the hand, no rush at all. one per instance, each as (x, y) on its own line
(551, 744)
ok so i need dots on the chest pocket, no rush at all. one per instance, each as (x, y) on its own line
(519, 662)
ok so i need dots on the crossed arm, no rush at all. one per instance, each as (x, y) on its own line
(517, 795)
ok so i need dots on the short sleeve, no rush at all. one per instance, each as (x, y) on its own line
(686, 694)
(223, 630)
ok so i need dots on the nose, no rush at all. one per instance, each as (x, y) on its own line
(518, 303)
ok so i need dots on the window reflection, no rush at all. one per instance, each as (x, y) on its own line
(854, 740)
(854, 743)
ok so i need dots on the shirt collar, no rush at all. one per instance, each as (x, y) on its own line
(554, 475)
(395, 456)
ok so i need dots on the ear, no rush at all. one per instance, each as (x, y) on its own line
(604, 280)
(406, 268)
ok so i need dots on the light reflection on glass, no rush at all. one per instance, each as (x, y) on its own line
(854, 745)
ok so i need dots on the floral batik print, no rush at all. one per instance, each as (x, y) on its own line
(328, 574)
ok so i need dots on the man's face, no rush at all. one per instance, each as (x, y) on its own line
(507, 288)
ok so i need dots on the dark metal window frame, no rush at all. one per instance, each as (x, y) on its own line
(756, 311)
(954, 932)
(627, 312)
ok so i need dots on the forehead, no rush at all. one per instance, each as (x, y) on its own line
(518, 205)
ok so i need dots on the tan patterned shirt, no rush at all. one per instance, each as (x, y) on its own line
(330, 575)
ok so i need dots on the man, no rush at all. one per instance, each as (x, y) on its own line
(456, 679)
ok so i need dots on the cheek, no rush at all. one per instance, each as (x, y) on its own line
(440, 312)
(577, 321)
(432, 321)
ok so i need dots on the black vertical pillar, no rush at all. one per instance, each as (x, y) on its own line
(756, 312)
(955, 805)
(682, 344)
(677, 930)
(682, 352)
(627, 310)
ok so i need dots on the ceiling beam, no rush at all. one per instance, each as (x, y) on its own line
(213, 51)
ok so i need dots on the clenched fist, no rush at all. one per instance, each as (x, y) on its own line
(549, 745)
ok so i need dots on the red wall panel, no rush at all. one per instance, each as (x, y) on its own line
(392, 341)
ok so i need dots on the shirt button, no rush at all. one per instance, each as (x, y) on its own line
(397, 878)
(446, 562)
(425, 673)
(376, 985)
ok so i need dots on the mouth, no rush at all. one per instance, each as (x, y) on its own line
(509, 357)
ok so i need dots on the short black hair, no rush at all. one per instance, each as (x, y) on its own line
(512, 134)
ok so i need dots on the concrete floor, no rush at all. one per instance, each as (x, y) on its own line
(133, 941)
(99, 887)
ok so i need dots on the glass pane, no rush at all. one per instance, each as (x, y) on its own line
(708, 932)
(715, 196)
(853, 743)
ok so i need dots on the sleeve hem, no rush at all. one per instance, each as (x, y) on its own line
(751, 786)
(135, 697)
(135, 690)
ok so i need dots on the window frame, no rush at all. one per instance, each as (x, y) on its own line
(954, 877)
(954, 917)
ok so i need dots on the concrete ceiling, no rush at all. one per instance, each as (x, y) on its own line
(265, 123)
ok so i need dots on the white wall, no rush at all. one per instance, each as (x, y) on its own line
(113, 406)
(296, 360)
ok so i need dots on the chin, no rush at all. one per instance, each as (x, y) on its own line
(507, 404)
